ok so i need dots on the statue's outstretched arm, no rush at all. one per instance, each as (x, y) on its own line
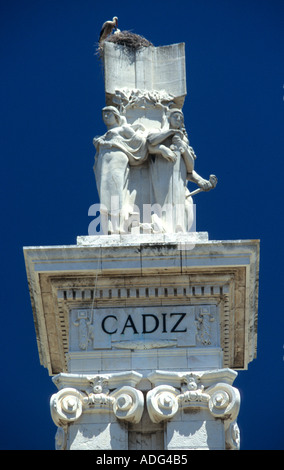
(159, 137)
(202, 183)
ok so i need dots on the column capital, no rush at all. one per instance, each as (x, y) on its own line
(101, 393)
(191, 390)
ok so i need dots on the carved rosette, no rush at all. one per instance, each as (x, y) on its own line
(224, 401)
(162, 403)
(128, 404)
(66, 406)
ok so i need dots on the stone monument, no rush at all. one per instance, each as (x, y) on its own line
(144, 323)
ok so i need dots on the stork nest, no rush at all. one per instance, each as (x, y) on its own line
(127, 39)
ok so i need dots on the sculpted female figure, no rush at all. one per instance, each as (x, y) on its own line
(171, 167)
(120, 146)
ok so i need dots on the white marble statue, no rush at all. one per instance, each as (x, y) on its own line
(170, 168)
(122, 145)
(168, 160)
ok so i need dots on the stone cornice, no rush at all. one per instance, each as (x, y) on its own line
(223, 273)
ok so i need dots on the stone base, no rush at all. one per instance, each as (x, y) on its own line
(177, 311)
(152, 278)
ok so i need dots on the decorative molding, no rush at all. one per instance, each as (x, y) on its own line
(222, 400)
(146, 99)
(143, 345)
(131, 293)
(221, 273)
(128, 404)
(66, 406)
(232, 436)
(181, 379)
(83, 298)
(61, 438)
(193, 393)
(93, 394)
(204, 319)
(97, 383)
(83, 321)
(162, 403)
(209, 390)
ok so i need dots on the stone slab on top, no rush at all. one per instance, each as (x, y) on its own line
(148, 68)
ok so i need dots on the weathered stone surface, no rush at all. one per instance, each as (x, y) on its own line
(159, 275)
(149, 68)
(199, 411)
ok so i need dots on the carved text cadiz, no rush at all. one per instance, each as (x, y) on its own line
(185, 325)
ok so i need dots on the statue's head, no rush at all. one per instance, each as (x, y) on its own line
(111, 116)
(176, 118)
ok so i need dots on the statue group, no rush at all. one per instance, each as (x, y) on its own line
(142, 173)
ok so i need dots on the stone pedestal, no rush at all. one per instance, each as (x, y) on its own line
(143, 336)
(143, 328)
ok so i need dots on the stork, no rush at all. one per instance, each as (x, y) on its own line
(107, 28)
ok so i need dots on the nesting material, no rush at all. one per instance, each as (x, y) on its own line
(125, 38)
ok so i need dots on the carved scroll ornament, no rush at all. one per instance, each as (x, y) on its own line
(222, 400)
(128, 404)
(68, 404)
(163, 402)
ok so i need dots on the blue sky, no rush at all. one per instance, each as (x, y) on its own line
(52, 92)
